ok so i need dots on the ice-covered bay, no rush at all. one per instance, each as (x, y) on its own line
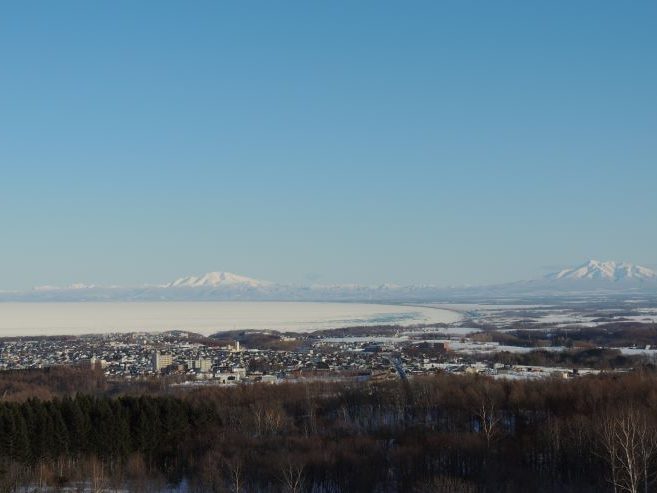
(31, 319)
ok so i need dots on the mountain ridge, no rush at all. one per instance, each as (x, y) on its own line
(591, 277)
(216, 279)
(609, 270)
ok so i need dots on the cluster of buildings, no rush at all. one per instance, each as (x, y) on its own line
(200, 360)
(180, 354)
(117, 355)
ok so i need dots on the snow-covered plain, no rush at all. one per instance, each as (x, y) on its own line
(32, 319)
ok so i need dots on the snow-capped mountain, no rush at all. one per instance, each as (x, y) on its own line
(605, 271)
(217, 280)
(593, 277)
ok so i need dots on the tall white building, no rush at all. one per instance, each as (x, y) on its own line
(203, 365)
(161, 361)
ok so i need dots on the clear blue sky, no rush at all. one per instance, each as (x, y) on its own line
(370, 141)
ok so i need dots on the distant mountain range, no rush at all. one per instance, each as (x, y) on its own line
(592, 277)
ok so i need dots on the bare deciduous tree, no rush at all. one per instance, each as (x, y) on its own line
(235, 471)
(489, 419)
(292, 476)
(629, 443)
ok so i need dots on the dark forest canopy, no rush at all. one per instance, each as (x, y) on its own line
(434, 433)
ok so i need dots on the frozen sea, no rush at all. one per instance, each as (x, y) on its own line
(32, 319)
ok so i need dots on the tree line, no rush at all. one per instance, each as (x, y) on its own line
(433, 433)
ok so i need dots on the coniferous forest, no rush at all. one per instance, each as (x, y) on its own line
(436, 433)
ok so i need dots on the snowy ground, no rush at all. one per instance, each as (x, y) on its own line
(561, 315)
(31, 319)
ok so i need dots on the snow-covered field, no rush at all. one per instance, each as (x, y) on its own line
(554, 316)
(31, 319)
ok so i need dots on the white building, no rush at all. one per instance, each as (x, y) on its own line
(161, 361)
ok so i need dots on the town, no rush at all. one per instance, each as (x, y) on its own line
(187, 359)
